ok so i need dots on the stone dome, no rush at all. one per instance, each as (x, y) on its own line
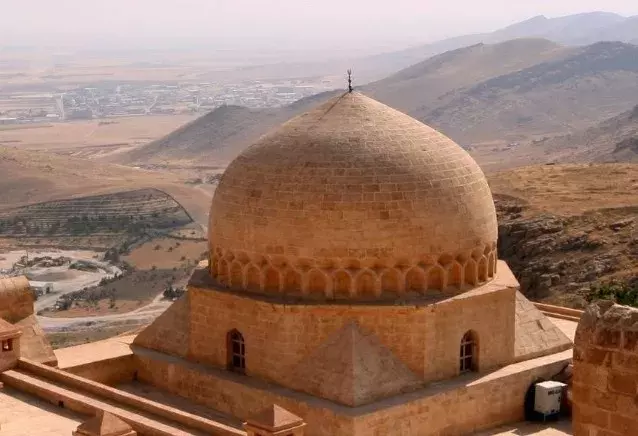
(353, 200)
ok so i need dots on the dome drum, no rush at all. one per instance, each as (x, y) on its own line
(348, 279)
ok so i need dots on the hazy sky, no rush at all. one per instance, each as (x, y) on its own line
(288, 23)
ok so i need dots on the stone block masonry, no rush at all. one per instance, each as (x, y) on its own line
(457, 407)
(605, 384)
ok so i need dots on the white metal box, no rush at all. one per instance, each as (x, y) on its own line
(547, 397)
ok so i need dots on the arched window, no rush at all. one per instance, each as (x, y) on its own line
(236, 352)
(468, 355)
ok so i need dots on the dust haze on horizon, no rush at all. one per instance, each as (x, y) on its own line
(274, 25)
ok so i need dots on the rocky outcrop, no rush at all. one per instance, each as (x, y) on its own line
(557, 259)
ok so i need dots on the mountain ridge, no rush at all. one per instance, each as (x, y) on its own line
(515, 91)
(576, 29)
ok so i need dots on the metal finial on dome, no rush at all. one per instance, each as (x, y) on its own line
(349, 80)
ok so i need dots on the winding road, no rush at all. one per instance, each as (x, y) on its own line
(196, 201)
(137, 316)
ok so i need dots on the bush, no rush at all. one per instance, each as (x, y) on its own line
(620, 293)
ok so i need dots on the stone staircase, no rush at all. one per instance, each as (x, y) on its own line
(88, 397)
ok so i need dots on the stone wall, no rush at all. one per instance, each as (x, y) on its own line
(9, 359)
(425, 338)
(605, 381)
(477, 402)
(279, 335)
(110, 371)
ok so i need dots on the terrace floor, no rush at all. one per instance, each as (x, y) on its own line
(25, 415)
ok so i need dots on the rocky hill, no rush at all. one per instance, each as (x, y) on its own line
(33, 176)
(573, 92)
(109, 214)
(613, 140)
(36, 185)
(219, 135)
(564, 228)
(423, 87)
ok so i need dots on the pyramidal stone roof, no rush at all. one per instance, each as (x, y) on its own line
(274, 418)
(535, 334)
(353, 368)
(170, 332)
(104, 424)
(8, 330)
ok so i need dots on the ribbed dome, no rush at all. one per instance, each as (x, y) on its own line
(353, 200)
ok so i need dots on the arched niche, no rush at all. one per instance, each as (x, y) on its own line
(390, 281)
(213, 266)
(482, 269)
(222, 274)
(491, 267)
(436, 278)
(317, 283)
(292, 281)
(415, 280)
(236, 275)
(471, 273)
(272, 280)
(252, 278)
(366, 284)
(455, 276)
(342, 287)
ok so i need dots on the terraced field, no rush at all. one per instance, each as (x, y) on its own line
(130, 212)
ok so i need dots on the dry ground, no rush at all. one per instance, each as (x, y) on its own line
(91, 138)
(132, 291)
(101, 308)
(156, 264)
(31, 177)
(165, 253)
(570, 189)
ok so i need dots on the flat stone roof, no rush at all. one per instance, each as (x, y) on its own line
(566, 326)
(25, 415)
(78, 355)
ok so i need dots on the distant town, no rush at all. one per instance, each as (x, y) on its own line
(110, 100)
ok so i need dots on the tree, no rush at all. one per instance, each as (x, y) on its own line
(618, 292)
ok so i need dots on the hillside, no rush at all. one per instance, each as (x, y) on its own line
(563, 228)
(97, 221)
(573, 92)
(613, 140)
(218, 136)
(483, 96)
(215, 132)
(29, 178)
(427, 85)
(577, 29)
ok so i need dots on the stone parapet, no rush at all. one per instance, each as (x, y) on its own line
(605, 382)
